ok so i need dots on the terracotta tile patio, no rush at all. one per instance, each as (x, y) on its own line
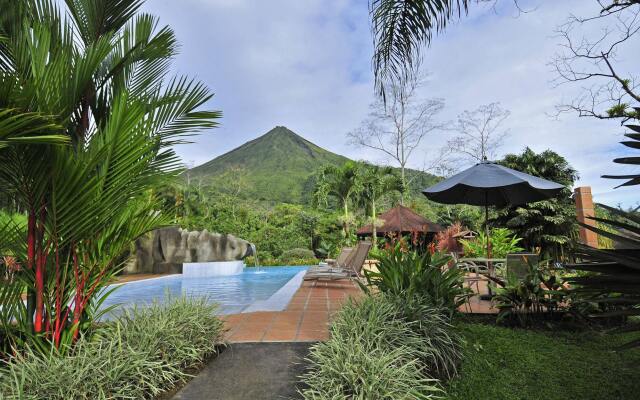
(307, 315)
(476, 305)
(305, 319)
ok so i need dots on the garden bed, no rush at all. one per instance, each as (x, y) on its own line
(145, 353)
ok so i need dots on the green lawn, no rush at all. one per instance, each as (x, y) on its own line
(503, 363)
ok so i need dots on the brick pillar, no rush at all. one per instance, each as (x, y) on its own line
(584, 209)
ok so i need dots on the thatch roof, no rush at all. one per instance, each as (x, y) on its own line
(401, 219)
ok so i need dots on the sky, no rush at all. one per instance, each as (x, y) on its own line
(306, 64)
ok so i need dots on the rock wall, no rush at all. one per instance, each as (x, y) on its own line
(165, 250)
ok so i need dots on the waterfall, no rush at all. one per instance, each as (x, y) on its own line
(256, 264)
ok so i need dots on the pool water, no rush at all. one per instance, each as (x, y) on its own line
(233, 293)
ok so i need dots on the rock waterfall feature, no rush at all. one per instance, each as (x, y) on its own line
(175, 250)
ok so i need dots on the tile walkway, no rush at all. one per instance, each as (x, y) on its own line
(305, 319)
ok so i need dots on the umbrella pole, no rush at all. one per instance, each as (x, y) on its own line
(486, 228)
(486, 232)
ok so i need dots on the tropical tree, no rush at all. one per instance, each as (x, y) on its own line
(376, 182)
(343, 183)
(549, 224)
(101, 73)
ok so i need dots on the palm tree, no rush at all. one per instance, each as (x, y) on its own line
(102, 74)
(376, 182)
(548, 224)
(400, 28)
(343, 183)
(18, 127)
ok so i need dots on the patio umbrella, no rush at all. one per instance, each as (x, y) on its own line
(489, 184)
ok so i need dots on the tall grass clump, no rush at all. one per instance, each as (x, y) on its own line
(442, 347)
(144, 352)
(375, 353)
(409, 274)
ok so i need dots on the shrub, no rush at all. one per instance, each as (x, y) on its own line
(297, 253)
(277, 262)
(408, 274)
(534, 297)
(373, 353)
(141, 354)
(502, 241)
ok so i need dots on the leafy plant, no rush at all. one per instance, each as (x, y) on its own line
(373, 353)
(407, 274)
(536, 296)
(431, 323)
(139, 355)
(501, 241)
(100, 69)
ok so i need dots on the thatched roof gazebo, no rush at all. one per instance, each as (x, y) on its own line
(402, 220)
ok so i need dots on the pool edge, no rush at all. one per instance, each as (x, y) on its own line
(280, 299)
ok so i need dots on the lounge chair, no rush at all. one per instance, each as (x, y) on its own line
(339, 262)
(352, 267)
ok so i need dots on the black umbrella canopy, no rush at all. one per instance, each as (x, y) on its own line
(490, 184)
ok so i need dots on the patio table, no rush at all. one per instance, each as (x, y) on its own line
(488, 264)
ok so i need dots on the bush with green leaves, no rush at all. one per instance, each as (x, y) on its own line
(375, 353)
(408, 274)
(536, 296)
(141, 354)
(501, 240)
(278, 262)
(297, 253)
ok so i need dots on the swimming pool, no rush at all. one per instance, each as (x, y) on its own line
(263, 289)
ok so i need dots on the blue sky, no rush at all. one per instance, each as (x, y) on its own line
(306, 65)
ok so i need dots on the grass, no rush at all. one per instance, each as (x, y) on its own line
(503, 363)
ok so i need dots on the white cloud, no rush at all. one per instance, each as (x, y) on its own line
(306, 65)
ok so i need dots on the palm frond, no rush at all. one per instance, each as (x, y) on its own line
(28, 128)
(401, 27)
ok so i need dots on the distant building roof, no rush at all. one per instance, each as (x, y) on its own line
(401, 219)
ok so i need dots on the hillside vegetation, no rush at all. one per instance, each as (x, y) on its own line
(277, 167)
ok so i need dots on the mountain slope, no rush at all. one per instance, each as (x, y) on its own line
(275, 167)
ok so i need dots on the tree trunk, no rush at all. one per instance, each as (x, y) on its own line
(345, 224)
(374, 235)
(40, 270)
(31, 254)
(404, 184)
